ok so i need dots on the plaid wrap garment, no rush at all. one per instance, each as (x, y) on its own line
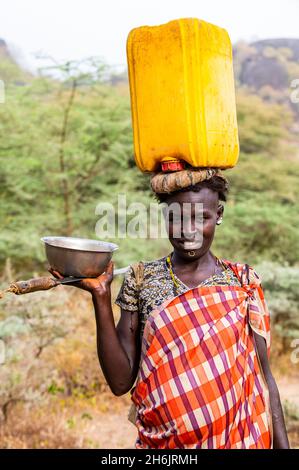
(200, 383)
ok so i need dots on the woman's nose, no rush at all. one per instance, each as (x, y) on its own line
(190, 234)
(191, 228)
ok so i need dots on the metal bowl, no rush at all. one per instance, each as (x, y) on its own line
(78, 257)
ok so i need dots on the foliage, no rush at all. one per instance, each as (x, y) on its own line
(34, 327)
(261, 126)
(67, 144)
(281, 286)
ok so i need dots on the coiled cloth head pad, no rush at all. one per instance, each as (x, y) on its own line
(171, 182)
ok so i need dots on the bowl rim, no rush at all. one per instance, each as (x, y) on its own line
(110, 247)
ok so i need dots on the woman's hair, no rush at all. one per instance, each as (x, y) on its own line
(215, 183)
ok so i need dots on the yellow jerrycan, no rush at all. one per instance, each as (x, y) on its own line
(182, 96)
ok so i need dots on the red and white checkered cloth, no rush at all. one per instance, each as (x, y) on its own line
(200, 384)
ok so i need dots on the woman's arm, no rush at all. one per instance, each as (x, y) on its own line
(280, 438)
(118, 348)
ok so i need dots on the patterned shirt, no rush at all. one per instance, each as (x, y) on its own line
(158, 286)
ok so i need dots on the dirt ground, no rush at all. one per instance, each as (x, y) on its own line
(114, 431)
(111, 431)
(79, 411)
(102, 424)
(289, 390)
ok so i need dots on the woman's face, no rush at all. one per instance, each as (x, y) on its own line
(191, 218)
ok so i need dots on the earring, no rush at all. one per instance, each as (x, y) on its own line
(219, 221)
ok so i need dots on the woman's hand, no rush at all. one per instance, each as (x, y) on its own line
(99, 285)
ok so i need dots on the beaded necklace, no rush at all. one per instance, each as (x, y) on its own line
(174, 280)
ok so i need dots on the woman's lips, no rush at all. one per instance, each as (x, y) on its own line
(189, 244)
(194, 245)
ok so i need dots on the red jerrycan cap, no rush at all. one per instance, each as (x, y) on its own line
(172, 166)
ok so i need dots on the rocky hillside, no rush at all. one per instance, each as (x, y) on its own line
(265, 67)
(268, 68)
(10, 70)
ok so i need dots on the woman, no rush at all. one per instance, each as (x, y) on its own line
(194, 331)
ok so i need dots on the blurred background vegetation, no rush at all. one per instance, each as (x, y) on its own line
(65, 146)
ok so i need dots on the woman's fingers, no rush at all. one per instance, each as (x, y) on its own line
(109, 271)
(105, 279)
(101, 283)
(55, 273)
(79, 284)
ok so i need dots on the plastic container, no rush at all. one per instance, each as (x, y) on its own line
(182, 95)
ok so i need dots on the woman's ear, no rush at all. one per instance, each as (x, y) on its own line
(220, 212)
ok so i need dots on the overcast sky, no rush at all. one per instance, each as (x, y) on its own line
(73, 29)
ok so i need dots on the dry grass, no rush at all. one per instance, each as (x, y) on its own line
(75, 408)
(38, 429)
(67, 423)
(73, 394)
